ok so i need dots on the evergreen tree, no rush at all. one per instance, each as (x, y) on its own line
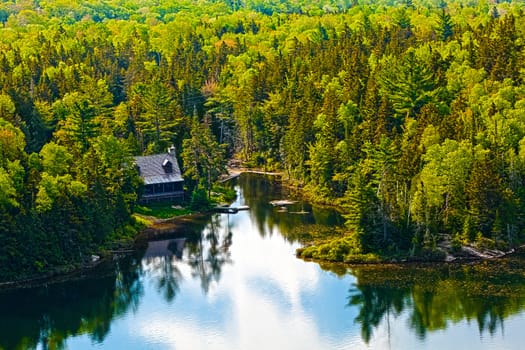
(445, 28)
(159, 118)
(409, 84)
(202, 156)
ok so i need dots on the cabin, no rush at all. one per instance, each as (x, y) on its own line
(169, 248)
(162, 177)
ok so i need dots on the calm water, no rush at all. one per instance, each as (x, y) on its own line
(233, 282)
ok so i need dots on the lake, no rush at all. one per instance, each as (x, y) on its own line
(232, 281)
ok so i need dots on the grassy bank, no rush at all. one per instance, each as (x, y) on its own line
(161, 210)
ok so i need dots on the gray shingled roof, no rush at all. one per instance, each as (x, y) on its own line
(152, 172)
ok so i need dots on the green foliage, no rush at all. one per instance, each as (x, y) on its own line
(202, 156)
(8, 193)
(57, 207)
(159, 119)
(161, 210)
(408, 82)
(56, 159)
(396, 113)
(343, 249)
(223, 194)
(199, 199)
(12, 142)
(445, 27)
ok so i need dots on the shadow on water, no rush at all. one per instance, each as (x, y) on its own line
(45, 317)
(210, 253)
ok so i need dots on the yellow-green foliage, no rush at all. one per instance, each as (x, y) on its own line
(344, 249)
(222, 194)
(142, 221)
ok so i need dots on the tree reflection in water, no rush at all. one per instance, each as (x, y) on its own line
(210, 252)
(45, 317)
(160, 262)
(436, 296)
(375, 302)
(205, 248)
(292, 223)
(166, 274)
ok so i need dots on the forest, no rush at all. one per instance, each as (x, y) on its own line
(407, 115)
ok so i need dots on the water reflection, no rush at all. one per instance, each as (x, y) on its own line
(210, 252)
(438, 297)
(205, 253)
(47, 317)
(258, 191)
(160, 260)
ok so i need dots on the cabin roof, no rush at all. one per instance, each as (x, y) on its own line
(153, 169)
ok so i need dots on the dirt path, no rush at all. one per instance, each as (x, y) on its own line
(235, 172)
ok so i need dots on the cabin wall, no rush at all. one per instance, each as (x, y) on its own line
(171, 191)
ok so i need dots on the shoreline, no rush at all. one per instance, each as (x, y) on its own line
(158, 228)
(415, 261)
(444, 254)
(60, 274)
(234, 172)
(466, 254)
(161, 228)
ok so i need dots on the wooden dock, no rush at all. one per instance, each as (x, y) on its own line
(230, 210)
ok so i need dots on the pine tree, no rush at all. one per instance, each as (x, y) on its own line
(409, 84)
(202, 156)
(159, 117)
(445, 27)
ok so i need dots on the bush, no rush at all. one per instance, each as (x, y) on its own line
(222, 194)
(336, 250)
(368, 258)
(199, 199)
(484, 242)
(141, 222)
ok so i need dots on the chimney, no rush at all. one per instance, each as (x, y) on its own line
(171, 151)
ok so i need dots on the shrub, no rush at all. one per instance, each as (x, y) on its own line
(199, 199)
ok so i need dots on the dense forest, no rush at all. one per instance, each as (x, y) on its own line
(409, 115)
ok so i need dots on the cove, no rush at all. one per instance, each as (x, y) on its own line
(232, 281)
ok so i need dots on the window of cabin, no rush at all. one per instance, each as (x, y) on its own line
(169, 187)
(167, 166)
